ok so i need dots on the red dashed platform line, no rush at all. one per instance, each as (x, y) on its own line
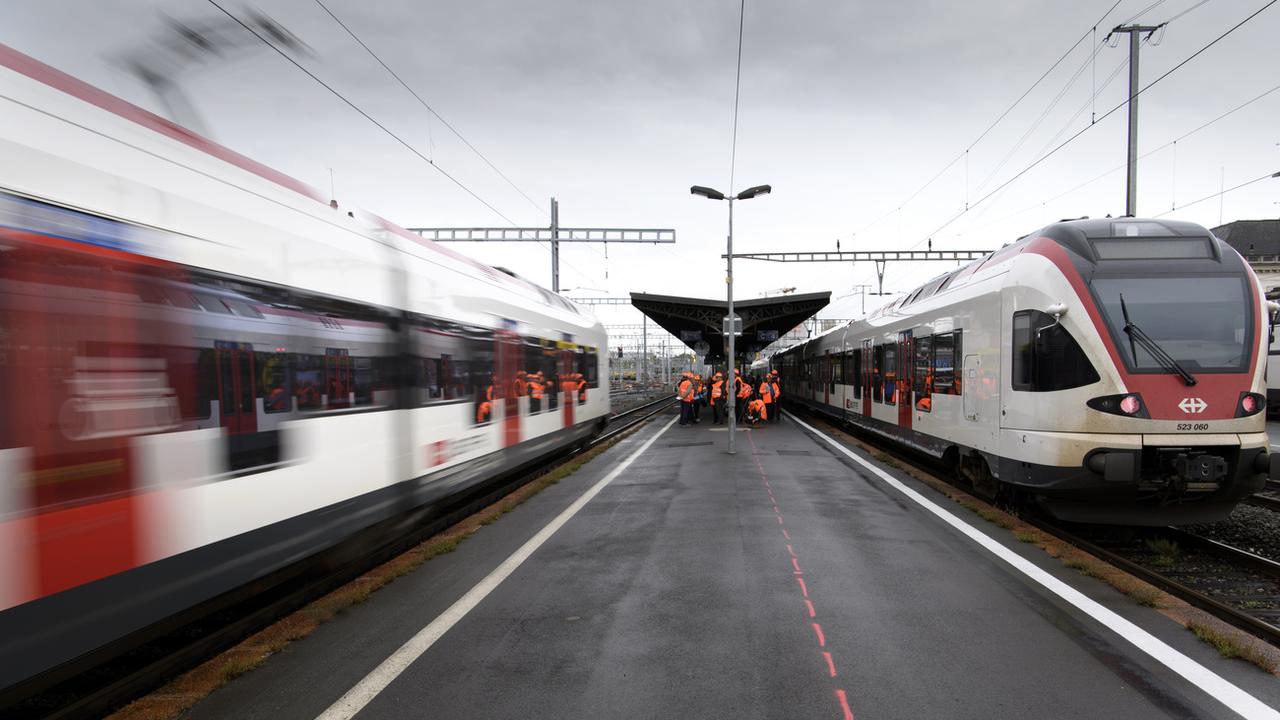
(841, 697)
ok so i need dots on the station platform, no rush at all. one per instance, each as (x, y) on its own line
(795, 579)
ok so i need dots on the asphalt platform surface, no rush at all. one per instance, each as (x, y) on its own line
(782, 582)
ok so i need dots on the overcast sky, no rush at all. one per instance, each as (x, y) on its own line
(616, 108)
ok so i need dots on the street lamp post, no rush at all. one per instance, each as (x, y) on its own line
(747, 194)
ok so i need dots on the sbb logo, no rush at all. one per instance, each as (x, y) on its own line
(1192, 406)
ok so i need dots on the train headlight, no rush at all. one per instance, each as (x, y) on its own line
(1250, 404)
(1128, 405)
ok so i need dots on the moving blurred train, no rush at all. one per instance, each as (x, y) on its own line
(1112, 370)
(209, 373)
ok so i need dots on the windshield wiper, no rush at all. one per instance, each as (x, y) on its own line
(1151, 346)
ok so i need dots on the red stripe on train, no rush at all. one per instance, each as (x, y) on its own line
(1162, 392)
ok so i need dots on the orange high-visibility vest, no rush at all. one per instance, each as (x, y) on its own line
(535, 390)
(766, 392)
(686, 390)
(744, 391)
(777, 390)
(717, 389)
(483, 411)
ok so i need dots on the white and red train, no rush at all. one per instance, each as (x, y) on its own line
(1113, 370)
(209, 373)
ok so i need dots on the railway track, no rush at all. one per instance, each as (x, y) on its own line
(97, 690)
(1269, 498)
(1234, 585)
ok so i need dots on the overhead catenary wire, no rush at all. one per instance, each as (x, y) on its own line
(997, 121)
(427, 105)
(364, 114)
(1065, 126)
(1117, 168)
(737, 91)
(404, 143)
(1143, 11)
(1221, 193)
(1086, 128)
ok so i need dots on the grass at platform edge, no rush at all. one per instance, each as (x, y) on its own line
(182, 693)
(1229, 641)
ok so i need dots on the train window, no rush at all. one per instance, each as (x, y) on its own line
(434, 379)
(308, 381)
(362, 378)
(242, 308)
(593, 367)
(273, 382)
(946, 348)
(1020, 378)
(1045, 356)
(206, 382)
(480, 348)
(890, 374)
(837, 370)
(923, 379)
(212, 304)
(549, 369)
(183, 300)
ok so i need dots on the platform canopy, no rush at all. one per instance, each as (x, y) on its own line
(699, 323)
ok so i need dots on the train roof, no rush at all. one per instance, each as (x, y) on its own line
(366, 224)
(1076, 235)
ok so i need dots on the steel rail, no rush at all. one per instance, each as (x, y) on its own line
(1234, 616)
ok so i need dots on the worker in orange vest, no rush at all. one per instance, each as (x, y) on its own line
(717, 399)
(685, 392)
(776, 413)
(484, 412)
(582, 389)
(766, 395)
(535, 392)
(520, 385)
(757, 412)
(744, 394)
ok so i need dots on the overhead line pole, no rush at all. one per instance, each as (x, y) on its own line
(1135, 44)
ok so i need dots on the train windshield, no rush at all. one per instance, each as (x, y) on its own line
(1203, 321)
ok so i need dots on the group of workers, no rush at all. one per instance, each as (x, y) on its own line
(758, 398)
(533, 385)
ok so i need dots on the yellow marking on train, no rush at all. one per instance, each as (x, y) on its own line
(71, 473)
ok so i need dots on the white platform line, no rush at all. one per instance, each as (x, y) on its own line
(1241, 702)
(376, 681)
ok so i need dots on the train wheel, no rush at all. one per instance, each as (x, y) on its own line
(972, 471)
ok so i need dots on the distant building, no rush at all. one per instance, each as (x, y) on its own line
(1259, 242)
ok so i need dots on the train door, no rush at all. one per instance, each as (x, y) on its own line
(826, 378)
(906, 373)
(969, 386)
(510, 359)
(236, 387)
(337, 374)
(866, 378)
(568, 387)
